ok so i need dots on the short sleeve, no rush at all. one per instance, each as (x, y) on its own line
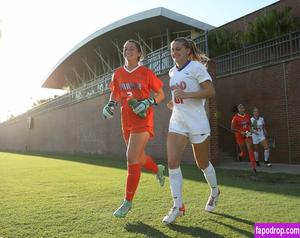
(155, 83)
(233, 121)
(199, 72)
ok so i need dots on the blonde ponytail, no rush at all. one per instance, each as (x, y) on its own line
(195, 54)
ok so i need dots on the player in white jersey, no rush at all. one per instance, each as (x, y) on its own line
(190, 85)
(259, 137)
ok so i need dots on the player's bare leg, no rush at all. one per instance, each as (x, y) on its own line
(243, 151)
(251, 153)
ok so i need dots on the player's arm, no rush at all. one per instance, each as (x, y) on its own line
(159, 96)
(264, 130)
(234, 126)
(207, 91)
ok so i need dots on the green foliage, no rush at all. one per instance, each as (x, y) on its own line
(75, 196)
(222, 41)
(273, 24)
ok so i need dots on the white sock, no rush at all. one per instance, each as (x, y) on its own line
(256, 155)
(266, 155)
(176, 181)
(210, 176)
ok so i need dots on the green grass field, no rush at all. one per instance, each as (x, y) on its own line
(75, 196)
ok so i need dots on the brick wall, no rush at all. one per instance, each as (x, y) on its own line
(275, 91)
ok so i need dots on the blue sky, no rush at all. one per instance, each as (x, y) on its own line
(36, 34)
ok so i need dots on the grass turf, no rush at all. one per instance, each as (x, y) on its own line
(75, 196)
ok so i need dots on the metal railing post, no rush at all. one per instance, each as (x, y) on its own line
(291, 44)
(230, 61)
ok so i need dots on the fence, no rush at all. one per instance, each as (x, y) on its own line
(271, 51)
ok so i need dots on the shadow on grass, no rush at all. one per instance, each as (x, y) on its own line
(238, 230)
(271, 183)
(145, 229)
(193, 231)
(242, 232)
(234, 218)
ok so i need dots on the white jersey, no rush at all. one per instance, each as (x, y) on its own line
(191, 111)
(258, 129)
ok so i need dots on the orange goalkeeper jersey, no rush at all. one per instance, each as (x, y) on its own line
(241, 122)
(138, 84)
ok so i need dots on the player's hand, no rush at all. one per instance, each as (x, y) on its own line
(133, 102)
(248, 134)
(179, 93)
(108, 110)
(170, 105)
(142, 106)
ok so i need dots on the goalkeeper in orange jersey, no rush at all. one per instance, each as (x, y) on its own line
(241, 125)
(131, 86)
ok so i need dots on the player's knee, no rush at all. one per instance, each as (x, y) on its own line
(173, 163)
(202, 164)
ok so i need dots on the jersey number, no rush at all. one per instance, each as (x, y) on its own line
(178, 100)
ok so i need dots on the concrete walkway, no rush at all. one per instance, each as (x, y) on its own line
(276, 167)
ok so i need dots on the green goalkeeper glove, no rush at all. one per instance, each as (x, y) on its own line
(108, 110)
(140, 107)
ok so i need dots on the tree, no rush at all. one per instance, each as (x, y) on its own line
(271, 25)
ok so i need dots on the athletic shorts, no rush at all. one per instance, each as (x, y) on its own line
(182, 130)
(127, 132)
(241, 139)
(257, 139)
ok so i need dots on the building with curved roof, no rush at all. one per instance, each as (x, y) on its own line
(71, 123)
(101, 52)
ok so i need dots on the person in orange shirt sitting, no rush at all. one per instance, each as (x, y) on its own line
(131, 86)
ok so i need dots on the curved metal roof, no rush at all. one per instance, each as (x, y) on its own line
(149, 23)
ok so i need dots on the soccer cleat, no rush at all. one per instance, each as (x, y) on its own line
(268, 163)
(160, 175)
(212, 202)
(257, 163)
(123, 209)
(173, 214)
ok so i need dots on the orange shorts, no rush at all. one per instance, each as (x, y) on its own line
(127, 132)
(241, 139)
